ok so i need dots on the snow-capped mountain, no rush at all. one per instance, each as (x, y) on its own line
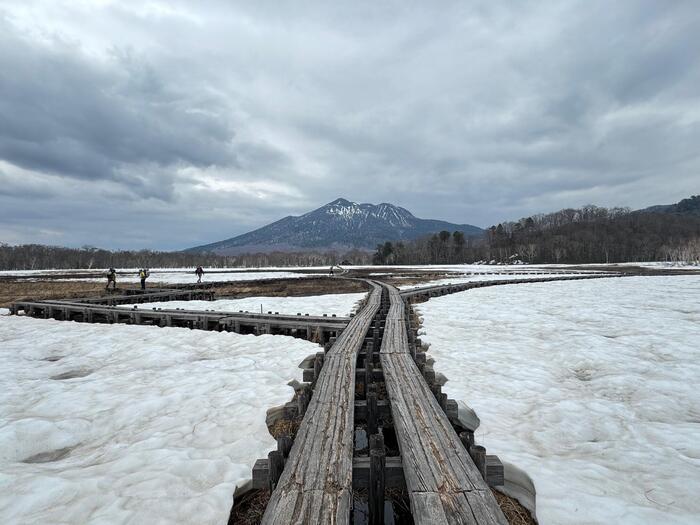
(340, 224)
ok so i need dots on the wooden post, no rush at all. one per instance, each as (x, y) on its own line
(377, 462)
(372, 413)
(442, 400)
(467, 439)
(478, 454)
(429, 375)
(284, 445)
(302, 402)
(369, 372)
(318, 364)
(275, 462)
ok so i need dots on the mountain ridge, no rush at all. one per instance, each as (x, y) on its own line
(340, 224)
(689, 206)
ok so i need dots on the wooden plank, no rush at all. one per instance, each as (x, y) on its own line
(169, 317)
(442, 482)
(316, 485)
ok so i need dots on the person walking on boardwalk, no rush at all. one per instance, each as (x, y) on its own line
(143, 275)
(199, 271)
(111, 278)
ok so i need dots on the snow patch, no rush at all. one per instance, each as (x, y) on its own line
(590, 387)
(167, 423)
(339, 304)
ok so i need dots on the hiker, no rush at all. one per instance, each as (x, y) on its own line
(143, 275)
(111, 278)
(199, 271)
(331, 272)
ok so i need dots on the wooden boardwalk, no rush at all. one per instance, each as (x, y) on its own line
(314, 475)
(443, 484)
(426, 292)
(319, 328)
(316, 484)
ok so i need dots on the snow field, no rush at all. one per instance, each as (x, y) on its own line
(148, 425)
(590, 387)
(339, 304)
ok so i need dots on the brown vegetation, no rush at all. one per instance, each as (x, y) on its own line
(289, 287)
(42, 290)
(249, 508)
(22, 289)
(515, 513)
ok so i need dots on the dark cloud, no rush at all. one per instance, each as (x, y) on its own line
(168, 124)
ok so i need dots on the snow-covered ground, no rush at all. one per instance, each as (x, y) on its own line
(591, 387)
(158, 426)
(338, 304)
(189, 277)
(169, 276)
(186, 275)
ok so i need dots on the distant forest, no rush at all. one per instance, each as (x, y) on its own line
(40, 257)
(577, 236)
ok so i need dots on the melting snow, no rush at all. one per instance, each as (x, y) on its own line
(133, 424)
(339, 304)
(591, 387)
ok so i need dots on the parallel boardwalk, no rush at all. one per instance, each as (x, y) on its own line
(304, 326)
(316, 484)
(443, 484)
(426, 292)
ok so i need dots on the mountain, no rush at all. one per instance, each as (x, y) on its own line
(339, 225)
(690, 206)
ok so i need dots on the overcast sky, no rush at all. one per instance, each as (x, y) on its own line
(130, 124)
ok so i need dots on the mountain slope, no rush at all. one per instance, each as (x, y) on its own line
(340, 224)
(690, 206)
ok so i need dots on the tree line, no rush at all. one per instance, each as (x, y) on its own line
(590, 234)
(40, 257)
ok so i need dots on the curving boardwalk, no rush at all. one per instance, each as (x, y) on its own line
(316, 484)
(426, 292)
(443, 484)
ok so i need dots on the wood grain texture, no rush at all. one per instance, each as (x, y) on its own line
(316, 485)
(442, 482)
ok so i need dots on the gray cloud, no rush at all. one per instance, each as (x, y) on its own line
(173, 124)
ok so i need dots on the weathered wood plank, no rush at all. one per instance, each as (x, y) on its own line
(316, 485)
(443, 484)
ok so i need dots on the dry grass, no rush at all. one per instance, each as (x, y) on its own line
(289, 287)
(44, 290)
(284, 427)
(515, 513)
(249, 508)
(23, 290)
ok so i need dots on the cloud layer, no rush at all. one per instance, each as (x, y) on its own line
(170, 124)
